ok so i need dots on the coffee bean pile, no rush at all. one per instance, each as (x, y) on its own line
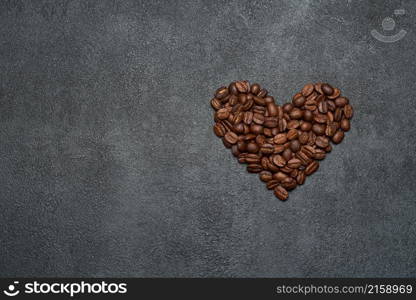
(283, 144)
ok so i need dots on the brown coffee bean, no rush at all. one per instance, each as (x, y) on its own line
(221, 92)
(279, 148)
(327, 89)
(303, 138)
(331, 128)
(255, 88)
(254, 168)
(310, 105)
(242, 146)
(307, 115)
(306, 126)
(280, 139)
(293, 124)
(287, 108)
(223, 113)
(267, 149)
(309, 151)
(281, 193)
(282, 125)
(258, 118)
(341, 101)
(256, 128)
(319, 154)
(265, 176)
(322, 141)
(318, 87)
(312, 138)
(216, 103)
(252, 158)
(259, 101)
(252, 147)
(219, 130)
(320, 118)
(226, 143)
(272, 184)
(307, 90)
(300, 178)
(294, 163)
(248, 117)
(231, 137)
(338, 114)
(299, 101)
(331, 105)
(338, 137)
(279, 161)
(311, 168)
(345, 124)
(295, 145)
(239, 128)
(249, 136)
(242, 86)
(319, 129)
(272, 109)
(348, 111)
(292, 134)
(287, 154)
(279, 176)
(270, 122)
(335, 94)
(323, 107)
(296, 113)
(303, 158)
(328, 149)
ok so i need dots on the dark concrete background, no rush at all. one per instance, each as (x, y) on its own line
(108, 163)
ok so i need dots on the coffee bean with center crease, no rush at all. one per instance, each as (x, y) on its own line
(281, 143)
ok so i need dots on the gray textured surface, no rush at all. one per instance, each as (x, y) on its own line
(109, 166)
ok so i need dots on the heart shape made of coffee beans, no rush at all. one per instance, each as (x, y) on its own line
(282, 143)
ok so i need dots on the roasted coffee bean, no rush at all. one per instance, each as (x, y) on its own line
(287, 107)
(256, 128)
(292, 134)
(303, 138)
(267, 149)
(299, 101)
(252, 147)
(279, 161)
(319, 154)
(270, 122)
(281, 193)
(348, 111)
(293, 124)
(307, 115)
(219, 130)
(223, 113)
(242, 86)
(272, 109)
(280, 139)
(254, 168)
(221, 93)
(335, 94)
(345, 124)
(311, 168)
(265, 176)
(255, 88)
(327, 89)
(282, 143)
(216, 103)
(341, 101)
(295, 145)
(258, 118)
(287, 154)
(319, 129)
(296, 113)
(294, 163)
(272, 184)
(300, 179)
(338, 137)
(307, 90)
(305, 126)
(231, 137)
(322, 142)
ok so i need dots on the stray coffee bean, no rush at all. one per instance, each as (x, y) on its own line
(283, 144)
